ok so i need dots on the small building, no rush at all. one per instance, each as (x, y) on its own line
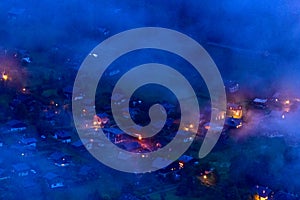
(21, 169)
(15, 13)
(16, 125)
(68, 91)
(183, 160)
(115, 135)
(4, 174)
(100, 120)
(53, 180)
(260, 103)
(208, 177)
(234, 111)
(31, 142)
(83, 144)
(60, 159)
(131, 146)
(233, 123)
(232, 86)
(262, 193)
(63, 136)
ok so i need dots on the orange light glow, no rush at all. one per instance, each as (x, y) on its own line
(5, 76)
(287, 102)
(140, 137)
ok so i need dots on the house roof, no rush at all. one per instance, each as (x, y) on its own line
(185, 158)
(77, 143)
(16, 11)
(68, 89)
(85, 170)
(129, 146)
(114, 131)
(257, 100)
(15, 124)
(50, 176)
(21, 167)
(160, 162)
(28, 140)
(63, 134)
(57, 155)
(102, 115)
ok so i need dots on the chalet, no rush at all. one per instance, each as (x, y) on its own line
(30, 142)
(53, 180)
(60, 159)
(21, 169)
(16, 125)
(63, 136)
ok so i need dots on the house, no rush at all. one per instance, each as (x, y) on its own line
(115, 135)
(233, 123)
(183, 160)
(234, 111)
(208, 177)
(280, 195)
(4, 174)
(16, 125)
(100, 120)
(131, 146)
(14, 13)
(63, 136)
(68, 91)
(260, 103)
(87, 172)
(262, 193)
(82, 144)
(53, 180)
(232, 86)
(60, 159)
(30, 142)
(21, 169)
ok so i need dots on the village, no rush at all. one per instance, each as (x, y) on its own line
(42, 156)
(41, 150)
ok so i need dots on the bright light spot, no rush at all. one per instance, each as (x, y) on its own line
(205, 177)
(5, 76)
(282, 116)
(23, 154)
(140, 137)
(95, 55)
(287, 102)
